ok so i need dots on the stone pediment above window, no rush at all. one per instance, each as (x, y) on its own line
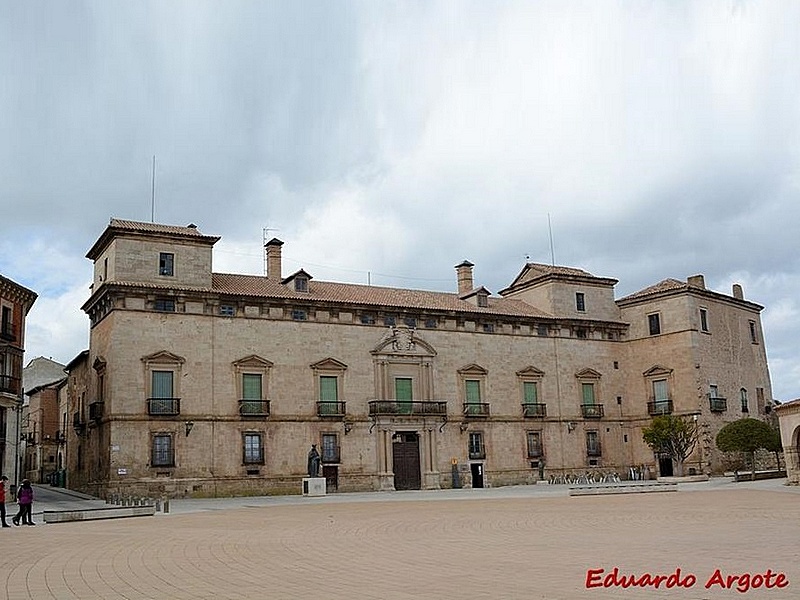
(298, 281)
(588, 374)
(329, 364)
(656, 371)
(163, 357)
(472, 369)
(403, 340)
(530, 371)
(253, 362)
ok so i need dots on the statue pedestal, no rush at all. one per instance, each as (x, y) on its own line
(314, 486)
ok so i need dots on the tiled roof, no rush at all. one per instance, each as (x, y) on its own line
(543, 269)
(364, 295)
(535, 272)
(143, 227)
(667, 285)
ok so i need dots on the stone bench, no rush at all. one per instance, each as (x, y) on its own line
(622, 488)
(93, 514)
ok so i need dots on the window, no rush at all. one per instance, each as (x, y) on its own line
(166, 264)
(367, 319)
(389, 321)
(164, 305)
(430, 323)
(483, 300)
(410, 322)
(163, 455)
(580, 302)
(253, 449)
(329, 395)
(476, 449)
(330, 448)
(713, 391)
(252, 394)
(299, 315)
(301, 283)
(743, 398)
(753, 333)
(587, 392)
(488, 328)
(530, 392)
(581, 333)
(252, 382)
(535, 444)
(7, 327)
(227, 310)
(704, 320)
(592, 443)
(661, 404)
(162, 399)
(654, 323)
(542, 330)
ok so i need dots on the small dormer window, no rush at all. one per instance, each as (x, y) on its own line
(300, 284)
(483, 299)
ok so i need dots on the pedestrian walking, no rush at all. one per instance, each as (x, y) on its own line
(25, 500)
(3, 480)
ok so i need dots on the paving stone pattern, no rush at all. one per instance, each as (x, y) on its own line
(492, 546)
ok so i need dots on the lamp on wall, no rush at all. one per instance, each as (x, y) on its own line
(348, 427)
(189, 425)
(463, 426)
(571, 426)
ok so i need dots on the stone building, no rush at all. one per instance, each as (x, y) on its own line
(15, 303)
(44, 433)
(789, 423)
(203, 383)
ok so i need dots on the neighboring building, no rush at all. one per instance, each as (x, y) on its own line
(43, 433)
(15, 303)
(202, 383)
(789, 422)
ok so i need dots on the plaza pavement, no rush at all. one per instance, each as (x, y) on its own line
(521, 542)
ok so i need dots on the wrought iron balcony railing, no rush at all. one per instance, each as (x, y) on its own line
(95, 411)
(592, 411)
(9, 384)
(717, 404)
(659, 407)
(163, 406)
(330, 409)
(476, 410)
(402, 407)
(534, 410)
(254, 408)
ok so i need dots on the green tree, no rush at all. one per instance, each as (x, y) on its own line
(747, 435)
(674, 436)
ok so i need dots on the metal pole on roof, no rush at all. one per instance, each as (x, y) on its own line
(153, 192)
(552, 251)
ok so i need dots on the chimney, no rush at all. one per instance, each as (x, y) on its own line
(738, 292)
(464, 271)
(273, 249)
(697, 281)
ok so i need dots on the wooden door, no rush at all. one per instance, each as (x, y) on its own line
(405, 453)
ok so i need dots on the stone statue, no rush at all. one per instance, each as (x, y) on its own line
(313, 461)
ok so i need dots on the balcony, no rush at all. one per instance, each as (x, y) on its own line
(592, 411)
(659, 407)
(534, 411)
(404, 408)
(77, 420)
(331, 409)
(717, 404)
(164, 406)
(8, 332)
(254, 408)
(95, 411)
(331, 455)
(9, 384)
(594, 450)
(473, 410)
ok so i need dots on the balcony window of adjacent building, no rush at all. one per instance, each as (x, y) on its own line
(703, 320)
(744, 400)
(163, 454)
(476, 448)
(253, 451)
(535, 444)
(580, 302)
(654, 323)
(166, 264)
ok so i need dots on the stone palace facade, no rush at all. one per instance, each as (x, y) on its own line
(202, 383)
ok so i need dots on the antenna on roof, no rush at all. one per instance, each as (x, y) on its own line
(552, 251)
(153, 193)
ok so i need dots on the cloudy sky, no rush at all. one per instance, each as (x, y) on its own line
(389, 141)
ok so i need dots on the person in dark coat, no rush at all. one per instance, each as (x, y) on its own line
(3, 480)
(25, 500)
